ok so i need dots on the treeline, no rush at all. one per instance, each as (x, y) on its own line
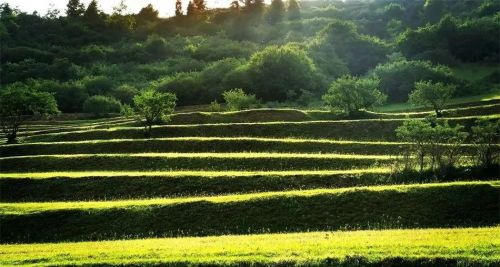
(288, 51)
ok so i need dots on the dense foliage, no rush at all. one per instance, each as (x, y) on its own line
(288, 51)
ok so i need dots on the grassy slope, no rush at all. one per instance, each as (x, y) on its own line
(431, 205)
(191, 161)
(432, 247)
(208, 144)
(360, 130)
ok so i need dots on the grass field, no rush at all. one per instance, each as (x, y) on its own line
(245, 188)
(432, 247)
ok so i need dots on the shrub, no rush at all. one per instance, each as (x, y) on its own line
(215, 106)
(351, 94)
(237, 99)
(431, 144)
(397, 79)
(434, 95)
(485, 135)
(125, 93)
(101, 105)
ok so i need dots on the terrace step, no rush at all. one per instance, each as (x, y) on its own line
(378, 207)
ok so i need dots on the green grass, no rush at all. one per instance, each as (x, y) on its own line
(208, 144)
(122, 185)
(360, 130)
(474, 72)
(432, 247)
(453, 103)
(429, 205)
(190, 161)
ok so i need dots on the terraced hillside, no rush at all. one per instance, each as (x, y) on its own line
(248, 188)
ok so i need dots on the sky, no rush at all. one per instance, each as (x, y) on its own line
(165, 7)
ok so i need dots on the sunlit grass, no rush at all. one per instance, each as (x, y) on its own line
(479, 245)
(47, 175)
(35, 207)
(237, 155)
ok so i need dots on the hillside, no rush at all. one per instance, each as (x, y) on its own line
(291, 187)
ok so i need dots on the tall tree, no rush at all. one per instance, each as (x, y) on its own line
(293, 10)
(148, 13)
(74, 8)
(178, 8)
(93, 15)
(276, 12)
(191, 9)
(200, 5)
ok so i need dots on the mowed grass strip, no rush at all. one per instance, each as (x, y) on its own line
(204, 144)
(190, 161)
(134, 185)
(361, 130)
(379, 207)
(429, 247)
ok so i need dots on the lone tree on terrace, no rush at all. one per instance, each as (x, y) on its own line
(18, 102)
(154, 106)
(352, 94)
(433, 95)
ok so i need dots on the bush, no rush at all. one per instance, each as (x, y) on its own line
(98, 85)
(101, 105)
(125, 93)
(237, 99)
(397, 79)
(351, 94)
(215, 106)
(486, 136)
(431, 144)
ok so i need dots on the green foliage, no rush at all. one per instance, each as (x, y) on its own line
(293, 10)
(18, 100)
(397, 79)
(237, 99)
(215, 106)
(98, 85)
(101, 105)
(360, 52)
(434, 95)
(432, 144)
(468, 40)
(125, 93)
(276, 70)
(127, 111)
(74, 9)
(486, 135)
(276, 12)
(69, 96)
(154, 106)
(351, 94)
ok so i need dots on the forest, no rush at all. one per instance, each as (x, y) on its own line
(286, 54)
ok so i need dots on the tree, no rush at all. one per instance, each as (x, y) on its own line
(93, 16)
(293, 10)
(437, 144)
(101, 105)
(352, 94)
(154, 106)
(191, 9)
(148, 13)
(276, 12)
(178, 8)
(17, 101)
(74, 9)
(237, 99)
(397, 79)
(433, 95)
(485, 136)
(276, 70)
(200, 5)
(125, 93)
